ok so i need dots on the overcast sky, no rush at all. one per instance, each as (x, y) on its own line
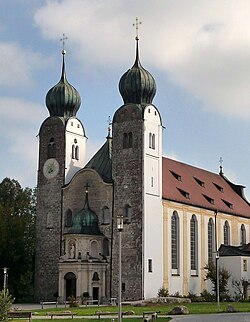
(197, 51)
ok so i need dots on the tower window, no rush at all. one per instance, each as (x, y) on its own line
(51, 148)
(75, 151)
(150, 265)
(151, 140)
(127, 140)
(152, 181)
(123, 287)
(127, 214)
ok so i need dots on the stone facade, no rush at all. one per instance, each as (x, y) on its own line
(127, 174)
(49, 207)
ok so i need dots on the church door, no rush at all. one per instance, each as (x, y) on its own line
(95, 293)
(70, 281)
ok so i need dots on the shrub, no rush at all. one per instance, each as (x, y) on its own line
(163, 292)
(6, 301)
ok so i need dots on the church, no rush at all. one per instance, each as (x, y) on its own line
(175, 216)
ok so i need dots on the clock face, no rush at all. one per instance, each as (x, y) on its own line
(50, 168)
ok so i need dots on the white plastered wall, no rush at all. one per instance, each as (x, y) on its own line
(75, 135)
(153, 210)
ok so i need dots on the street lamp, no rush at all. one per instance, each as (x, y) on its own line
(120, 229)
(5, 278)
(217, 264)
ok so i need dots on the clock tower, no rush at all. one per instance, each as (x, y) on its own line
(62, 145)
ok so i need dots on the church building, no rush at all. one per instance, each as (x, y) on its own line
(171, 211)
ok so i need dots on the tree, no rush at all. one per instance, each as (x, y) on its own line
(6, 301)
(223, 279)
(17, 237)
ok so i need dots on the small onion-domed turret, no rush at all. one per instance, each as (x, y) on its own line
(63, 99)
(137, 85)
(85, 221)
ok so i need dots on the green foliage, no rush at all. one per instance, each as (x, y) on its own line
(207, 297)
(17, 237)
(163, 292)
(5, 304)
(223, 280)
(72, 301)
(85, 295)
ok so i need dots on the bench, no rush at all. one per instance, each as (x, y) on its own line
(49, 303)
(20, 315)
(92, 302)
(99, 314)
(54, 314)
(150, 315)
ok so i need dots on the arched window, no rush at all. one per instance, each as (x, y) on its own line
(194, 243)
(153, 141)
(73, 151)
(125, 141)
(130, 140)
(95, 277)
(68, 218)
(105, 247)
(150, 140)
(77, 152)
(210, 233)
(175, 240)
(105, 216)
(51, 148)
(226, 233)
(127, 214)
(242, 235)
(94, 249)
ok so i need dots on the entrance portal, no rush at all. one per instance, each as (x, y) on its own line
(70, 280)
(95, 293)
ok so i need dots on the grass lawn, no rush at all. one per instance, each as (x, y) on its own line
(194, 308)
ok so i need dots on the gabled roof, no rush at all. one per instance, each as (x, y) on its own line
(228, 250)
(194, 186)
(101, 161)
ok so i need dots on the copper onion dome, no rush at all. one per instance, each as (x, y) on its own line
(137, 85)
(63, 99)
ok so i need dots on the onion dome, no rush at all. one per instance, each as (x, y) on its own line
(63, 99)
(137, 85)
(85, 221)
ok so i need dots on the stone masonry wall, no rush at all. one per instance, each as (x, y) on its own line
(127, 175)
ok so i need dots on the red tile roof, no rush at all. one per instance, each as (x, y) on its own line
(197, 187)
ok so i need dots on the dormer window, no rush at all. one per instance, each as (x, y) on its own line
(227, 203)
(184, 193)
(218, 187)
(210, 200)
(200, 182)
(176, 175)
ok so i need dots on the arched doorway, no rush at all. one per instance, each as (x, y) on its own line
(70, 281)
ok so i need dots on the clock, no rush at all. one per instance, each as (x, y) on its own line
(50, 168)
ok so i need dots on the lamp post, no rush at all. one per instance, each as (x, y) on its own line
(217, 264)
(119, 229)
(5, 279)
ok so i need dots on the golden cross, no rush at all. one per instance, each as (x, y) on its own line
(136, 24)
(63, 42)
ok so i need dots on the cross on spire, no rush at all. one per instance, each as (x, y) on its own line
(63, 39)
(109, 123)
(221, 165)
(136, 24)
